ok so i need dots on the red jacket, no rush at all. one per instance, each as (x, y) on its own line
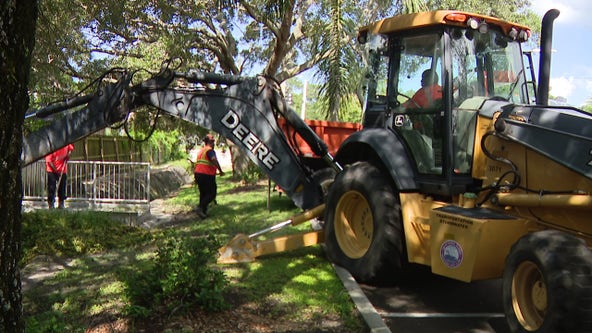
(57, 162)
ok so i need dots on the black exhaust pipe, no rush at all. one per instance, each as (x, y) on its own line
(545, 61)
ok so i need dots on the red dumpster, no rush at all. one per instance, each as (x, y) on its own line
(332, 132)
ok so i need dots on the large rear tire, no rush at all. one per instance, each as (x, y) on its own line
(547, 284)
(363, 230)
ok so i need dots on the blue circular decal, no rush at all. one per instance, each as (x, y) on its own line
(451, 253)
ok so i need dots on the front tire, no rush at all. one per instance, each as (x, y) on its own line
(363, 230)
(547, 284)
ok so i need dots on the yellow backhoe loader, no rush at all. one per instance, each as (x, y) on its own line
(476, 177)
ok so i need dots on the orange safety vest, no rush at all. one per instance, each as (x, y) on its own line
(203, 165)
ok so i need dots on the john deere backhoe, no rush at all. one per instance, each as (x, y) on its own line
(481, 183)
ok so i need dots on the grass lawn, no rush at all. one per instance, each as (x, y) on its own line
(93, 258)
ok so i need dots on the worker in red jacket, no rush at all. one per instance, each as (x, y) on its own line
(56, 167)
(206, 167)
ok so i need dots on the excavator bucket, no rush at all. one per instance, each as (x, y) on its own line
(243, 248)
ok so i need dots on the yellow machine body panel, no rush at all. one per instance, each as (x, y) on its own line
(457, 242)
(416, 208)
(559, 197)
(484, 124)
(472, 243)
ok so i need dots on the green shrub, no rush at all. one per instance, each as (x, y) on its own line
(49, 322)
(169, 144)
(251, 175)
(182, 277)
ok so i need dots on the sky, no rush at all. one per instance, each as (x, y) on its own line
(571, 67)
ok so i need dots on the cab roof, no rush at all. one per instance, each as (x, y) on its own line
(434, 18)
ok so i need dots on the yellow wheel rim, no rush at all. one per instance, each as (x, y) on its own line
(354, 224)
(529, 296)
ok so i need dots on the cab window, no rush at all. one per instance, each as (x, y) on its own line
(418, 92)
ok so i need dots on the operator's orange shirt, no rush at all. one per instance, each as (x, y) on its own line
(425, 96)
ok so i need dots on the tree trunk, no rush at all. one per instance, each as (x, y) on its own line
(240, 161)
(17, 38)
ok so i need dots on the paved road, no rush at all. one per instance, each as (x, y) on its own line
(432, 303)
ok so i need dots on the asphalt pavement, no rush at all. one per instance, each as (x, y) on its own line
(429, 303)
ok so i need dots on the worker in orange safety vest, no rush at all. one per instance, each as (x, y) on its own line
(206, 167)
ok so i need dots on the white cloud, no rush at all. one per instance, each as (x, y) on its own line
(576, 90)
(571, 71)
(562, 86)
(572, 12)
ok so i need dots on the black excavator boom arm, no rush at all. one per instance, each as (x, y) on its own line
(242, 109)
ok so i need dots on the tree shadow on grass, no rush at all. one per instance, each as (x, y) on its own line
(298, 286)
(84, 293)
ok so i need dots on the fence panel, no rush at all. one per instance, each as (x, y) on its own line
(95, 184)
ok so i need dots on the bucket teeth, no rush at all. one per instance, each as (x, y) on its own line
(240, 249)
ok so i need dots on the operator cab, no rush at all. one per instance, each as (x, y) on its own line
(430, 75)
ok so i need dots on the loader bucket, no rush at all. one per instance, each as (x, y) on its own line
(239, 249)
(243, 248)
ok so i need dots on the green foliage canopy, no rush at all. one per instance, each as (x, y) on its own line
(78, 39)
